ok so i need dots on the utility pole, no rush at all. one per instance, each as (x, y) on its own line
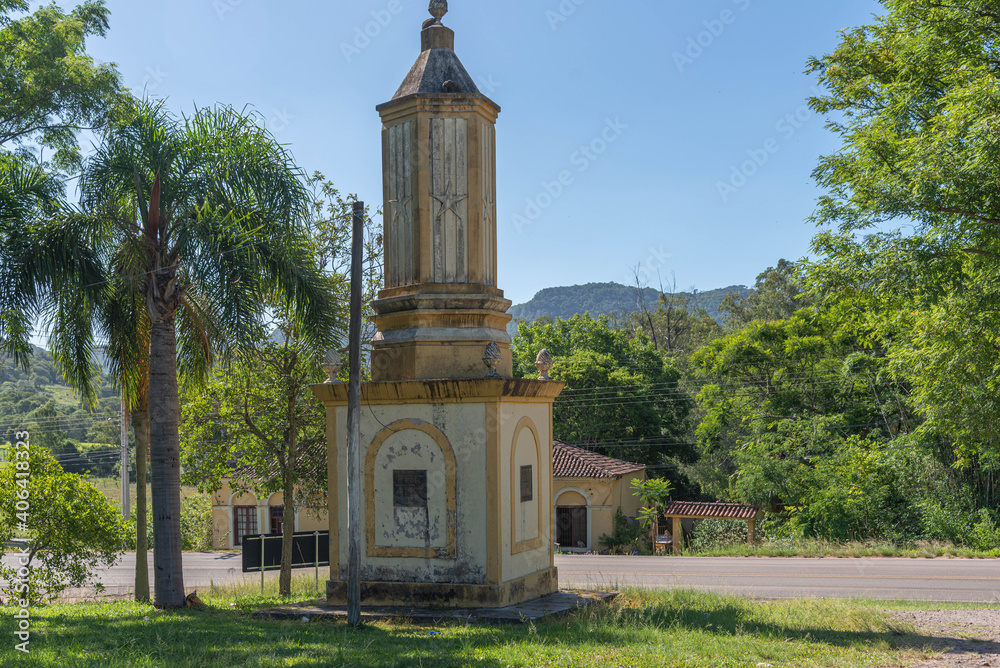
(126, 497)
(354, 423)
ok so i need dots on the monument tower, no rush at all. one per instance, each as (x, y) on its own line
(441, 306)
(456, 453)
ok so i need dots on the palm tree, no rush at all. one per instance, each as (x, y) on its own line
(196, 221)
(127, 352)
(43, 265)
(123, 319)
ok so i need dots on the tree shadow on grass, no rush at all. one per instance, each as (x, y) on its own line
(223, 638)
(220, 638)
(613, 624)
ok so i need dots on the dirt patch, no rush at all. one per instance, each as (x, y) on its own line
(967, 638)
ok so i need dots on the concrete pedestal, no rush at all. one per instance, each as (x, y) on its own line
(457, 491)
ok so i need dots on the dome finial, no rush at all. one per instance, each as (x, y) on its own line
(438, 9)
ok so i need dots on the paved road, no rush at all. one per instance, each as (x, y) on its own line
(974, 581)
(200, 571)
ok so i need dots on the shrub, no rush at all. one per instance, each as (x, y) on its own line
(627, 537)
(985, 535)
(714, 534)
(196, 524)
(72, 528)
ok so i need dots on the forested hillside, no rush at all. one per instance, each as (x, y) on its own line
(795, 404)
(597, 299)
(39, 402)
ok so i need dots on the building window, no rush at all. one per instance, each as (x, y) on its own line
(571, 526)
(409, 489)
(277, 518)
(527, 488)
(245, 522)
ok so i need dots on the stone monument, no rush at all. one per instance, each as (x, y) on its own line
(456, 453)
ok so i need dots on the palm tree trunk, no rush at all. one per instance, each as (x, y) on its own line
(140, 423)
(287, 538)
(164, 442)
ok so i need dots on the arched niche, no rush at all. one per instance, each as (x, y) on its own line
(526, 516)
(567, 502)
(398, 524)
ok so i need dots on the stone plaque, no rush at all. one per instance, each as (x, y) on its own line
(527, 491)
(409, 489)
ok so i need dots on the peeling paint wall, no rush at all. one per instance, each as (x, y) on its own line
(511, 415)
(464, 426)
(410, 526)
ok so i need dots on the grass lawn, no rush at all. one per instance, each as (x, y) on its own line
(112, 489)
(641, 628)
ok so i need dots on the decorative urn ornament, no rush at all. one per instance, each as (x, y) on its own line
(492, 358)
(544, 364)
(438, 9)
(332, 364)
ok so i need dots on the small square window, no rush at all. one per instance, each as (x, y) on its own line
(527, 488)
(409, 489)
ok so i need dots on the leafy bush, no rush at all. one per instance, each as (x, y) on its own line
(985, 533)
(713, 534)
(72, 528)
(627, 537)
(196, 524)
(976, 530)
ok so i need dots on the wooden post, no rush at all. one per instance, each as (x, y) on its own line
(752, 531)
(678, 536)
(354, 424)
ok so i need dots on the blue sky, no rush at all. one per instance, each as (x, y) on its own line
(668, 98)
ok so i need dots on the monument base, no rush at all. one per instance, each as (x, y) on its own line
(528, 588)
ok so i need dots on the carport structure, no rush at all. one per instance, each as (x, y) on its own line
(695, 510)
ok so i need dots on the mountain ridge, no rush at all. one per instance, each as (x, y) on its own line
(597, 299)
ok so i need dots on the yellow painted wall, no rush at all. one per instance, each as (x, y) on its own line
(464, 426)
(534, 558)
(604, 496)
(309, 518)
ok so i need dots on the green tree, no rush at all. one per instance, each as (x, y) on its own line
(655, 495)
(776, 296)
(330, 226)
(35, 256)
(71, 527)
(258, 425)
(779, 396)
(47, 431)
(621, 398)
(910, 250)
(50, 89)
(200, 218)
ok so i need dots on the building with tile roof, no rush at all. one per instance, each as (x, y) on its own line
(236, 515)
(589, 490)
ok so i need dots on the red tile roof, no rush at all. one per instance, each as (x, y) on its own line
(725, 511)
(571, 462)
